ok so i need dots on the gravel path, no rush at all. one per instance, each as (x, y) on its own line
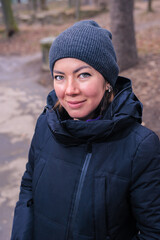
(21, 101)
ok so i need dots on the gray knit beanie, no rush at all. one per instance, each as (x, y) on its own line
(90, 43)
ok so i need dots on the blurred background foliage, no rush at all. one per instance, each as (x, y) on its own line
(15, 13)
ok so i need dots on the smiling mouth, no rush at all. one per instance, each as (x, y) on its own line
(75, 104)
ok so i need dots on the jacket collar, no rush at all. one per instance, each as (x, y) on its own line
(124, 110)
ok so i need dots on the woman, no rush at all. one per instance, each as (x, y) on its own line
(93, 171)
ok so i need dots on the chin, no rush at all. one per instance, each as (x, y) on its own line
(77, 117)
(80, 115)
(82, 118)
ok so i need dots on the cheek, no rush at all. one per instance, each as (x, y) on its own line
(59, 91)
(92, 92)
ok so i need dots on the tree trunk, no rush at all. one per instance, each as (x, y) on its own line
(122, 27)
(29, 4)
(35, 5)
(87, 2)
(71, 3)
(77, 12)
(10, 23)
(43, 4)
(149, 5)
(101, 2)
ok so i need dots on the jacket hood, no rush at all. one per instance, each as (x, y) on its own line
(124, 110)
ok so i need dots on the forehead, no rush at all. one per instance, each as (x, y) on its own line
(72, 65)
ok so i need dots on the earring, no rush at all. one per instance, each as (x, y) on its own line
(110, 88)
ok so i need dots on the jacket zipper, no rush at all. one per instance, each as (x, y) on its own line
(79, 189)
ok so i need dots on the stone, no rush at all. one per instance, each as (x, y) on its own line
(45, 46)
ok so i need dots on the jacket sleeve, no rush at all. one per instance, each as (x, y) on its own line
(23, 216)
(145, 188)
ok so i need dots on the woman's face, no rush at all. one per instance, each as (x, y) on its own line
(79, 87)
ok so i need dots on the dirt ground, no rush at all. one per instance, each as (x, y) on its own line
(145, 75)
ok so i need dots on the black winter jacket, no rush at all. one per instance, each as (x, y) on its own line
(97, 180)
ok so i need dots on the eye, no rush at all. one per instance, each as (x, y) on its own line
(58, 77)
(84, 75)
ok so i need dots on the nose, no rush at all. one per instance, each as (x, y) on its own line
(72, 87)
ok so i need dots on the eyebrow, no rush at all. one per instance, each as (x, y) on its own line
(80, 68)
(55, 71)
(75, 71)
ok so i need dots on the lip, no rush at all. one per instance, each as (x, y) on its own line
(75, 104)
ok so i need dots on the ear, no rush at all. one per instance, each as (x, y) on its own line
(107, 86)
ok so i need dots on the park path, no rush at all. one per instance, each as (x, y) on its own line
(22, 99)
